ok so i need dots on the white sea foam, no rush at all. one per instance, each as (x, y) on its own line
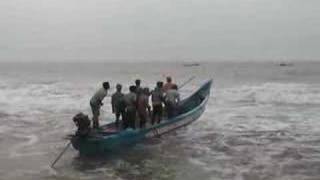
(49, 98)
(278, 93)
(37, 98)
(30, 140)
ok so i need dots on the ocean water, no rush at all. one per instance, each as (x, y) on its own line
(262, 122)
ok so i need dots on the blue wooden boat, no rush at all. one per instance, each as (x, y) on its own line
(106, 139)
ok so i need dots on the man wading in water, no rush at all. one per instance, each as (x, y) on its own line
(96, 103)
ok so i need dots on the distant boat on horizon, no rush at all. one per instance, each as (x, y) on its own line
(286, 64)
(191, 64)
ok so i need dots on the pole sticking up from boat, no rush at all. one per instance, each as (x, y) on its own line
(187, 81)
(60, 155)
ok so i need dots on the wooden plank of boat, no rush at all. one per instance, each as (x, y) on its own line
(190, 109)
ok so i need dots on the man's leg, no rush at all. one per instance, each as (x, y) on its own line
(96, 123)
(132, 118)
(165, 109)
(143, 118)
(174, 110)
(129, 118)
(117, 119)
(125, 120)
(123, 116)
(170, 110)
(154, 111)
(156, 114)
(160, 112)
(95, 118)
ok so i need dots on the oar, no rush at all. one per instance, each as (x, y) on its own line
(60, 155)
(187, 81)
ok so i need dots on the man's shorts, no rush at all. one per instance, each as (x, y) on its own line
(95, 109)
(157, 110)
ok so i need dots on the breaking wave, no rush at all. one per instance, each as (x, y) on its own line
(273, 93)
(55, 97)
(37, 98)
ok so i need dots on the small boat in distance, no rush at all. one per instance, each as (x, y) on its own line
(109, 139)
(285, 64)
(191, 64)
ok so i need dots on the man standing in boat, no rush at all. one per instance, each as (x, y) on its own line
(143, 107)
(157, 100)
(172, 99)
(139, 89)
(117, 103)
(96, 103)
(130, 101)
(168, 85)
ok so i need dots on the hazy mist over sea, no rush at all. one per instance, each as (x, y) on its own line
(148, 30)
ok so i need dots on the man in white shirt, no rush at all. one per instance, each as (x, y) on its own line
(130, 101)
(96, 103)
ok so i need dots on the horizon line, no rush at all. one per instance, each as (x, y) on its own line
(182, 60)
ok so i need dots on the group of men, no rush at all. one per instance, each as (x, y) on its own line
(135, 104)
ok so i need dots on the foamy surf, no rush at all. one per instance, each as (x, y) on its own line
(273, 93)
(260, 123)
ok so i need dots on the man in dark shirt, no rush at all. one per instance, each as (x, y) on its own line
(139, 89)
(157, 98)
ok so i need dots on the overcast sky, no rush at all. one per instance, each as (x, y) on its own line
(60, 30)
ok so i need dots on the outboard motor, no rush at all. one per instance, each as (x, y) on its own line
(82, 121)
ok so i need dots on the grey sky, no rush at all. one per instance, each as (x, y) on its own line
(159, 29)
